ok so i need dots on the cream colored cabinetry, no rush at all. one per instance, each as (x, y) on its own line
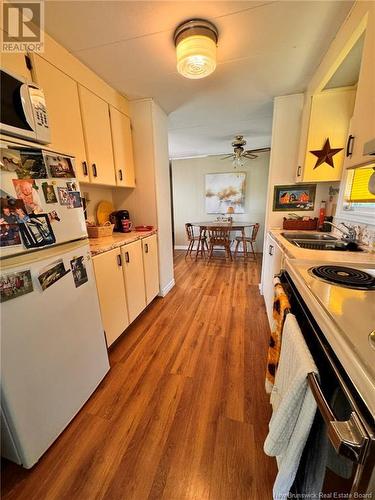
(134, 278)
(272, 262)
(15, 63)
(122, 148)
(98, 139)
(111, 290)
(362, 127)
(151, 267)
(330, 112)
(61, 93)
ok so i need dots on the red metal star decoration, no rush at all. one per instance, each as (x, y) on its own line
(326, 154)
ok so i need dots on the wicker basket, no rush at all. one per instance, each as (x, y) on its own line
(100, 231)
(310, 224)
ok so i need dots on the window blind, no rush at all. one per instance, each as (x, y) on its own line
(358, 190)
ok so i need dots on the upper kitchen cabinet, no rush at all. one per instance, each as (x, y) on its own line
(98, 138)
(122, 148)
(330, 114)
(62, 100)
(362, 127)
(16, 63)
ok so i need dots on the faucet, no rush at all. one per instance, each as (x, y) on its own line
(348, 234)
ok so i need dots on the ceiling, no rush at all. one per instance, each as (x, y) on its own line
(265, 49)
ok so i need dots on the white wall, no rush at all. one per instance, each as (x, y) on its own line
(93, 195)
(188, 177)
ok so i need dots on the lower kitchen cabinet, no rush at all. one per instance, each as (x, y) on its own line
(111, 290)
(134, 278)
(151, 267)
(272, 262)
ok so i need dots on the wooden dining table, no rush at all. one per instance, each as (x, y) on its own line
(233, 226)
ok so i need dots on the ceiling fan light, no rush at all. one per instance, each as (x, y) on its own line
(195, 43)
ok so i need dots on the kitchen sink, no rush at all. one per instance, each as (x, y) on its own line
(309, 236)
(333, 244)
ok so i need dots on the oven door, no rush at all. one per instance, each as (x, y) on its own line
(339, 455)
(16, 110)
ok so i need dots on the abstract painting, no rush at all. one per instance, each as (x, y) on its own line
(225, 190)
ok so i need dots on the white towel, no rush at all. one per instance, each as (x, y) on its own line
(293, 405)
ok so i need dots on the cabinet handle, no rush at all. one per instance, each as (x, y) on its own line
(119, 260)
(84, 168)
(299, 168)
(146, 247)
(127, 259)
(120, 174)
(270, 250)
(94, 170)
(349, 145)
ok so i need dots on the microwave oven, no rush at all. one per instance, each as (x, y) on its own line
(23, 111)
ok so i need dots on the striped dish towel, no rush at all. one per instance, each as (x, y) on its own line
(280, 307)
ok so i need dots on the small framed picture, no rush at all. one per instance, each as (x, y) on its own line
(294, 197)
(36, 230)
(49, 193)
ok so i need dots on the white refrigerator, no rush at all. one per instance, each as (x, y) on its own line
(53, 348)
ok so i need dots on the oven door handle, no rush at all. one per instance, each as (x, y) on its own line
(349, 437)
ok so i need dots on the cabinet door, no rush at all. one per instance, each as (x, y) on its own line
(111, 291)
(134, 278)
(61, 93)
(151, 267)
(98, 140)
(272, 263)
(362, 128)
(330, 116)
(122, 148)
(15, 63)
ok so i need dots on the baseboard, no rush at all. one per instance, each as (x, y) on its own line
(165, 290)
(180, 247)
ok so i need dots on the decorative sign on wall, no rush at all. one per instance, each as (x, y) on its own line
(294, 197)
(224, 191)
(326, 154)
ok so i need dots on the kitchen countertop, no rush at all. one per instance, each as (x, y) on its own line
(293, 252)
(106, 243)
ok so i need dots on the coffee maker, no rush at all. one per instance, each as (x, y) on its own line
(117, 217)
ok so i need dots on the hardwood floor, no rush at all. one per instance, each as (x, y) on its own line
(182, 414)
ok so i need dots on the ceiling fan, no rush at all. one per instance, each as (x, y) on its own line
(240, 154)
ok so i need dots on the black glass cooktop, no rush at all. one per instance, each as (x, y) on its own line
(344, 276)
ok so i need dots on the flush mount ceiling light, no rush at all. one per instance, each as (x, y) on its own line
(195, 42)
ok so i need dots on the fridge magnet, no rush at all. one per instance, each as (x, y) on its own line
(36, 230)
(63, 195)
(27, 191)
(294, 197)
(14, 285)
(60, 167)
(72, 186)
(54, 216)
(49, 193)
(79, 271)
(74, 199)
(52, 275)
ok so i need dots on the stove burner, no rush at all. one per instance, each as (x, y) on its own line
(344, 276)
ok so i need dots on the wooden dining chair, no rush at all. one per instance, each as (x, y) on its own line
(192, 238)
(218, 237)
(246, 240)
